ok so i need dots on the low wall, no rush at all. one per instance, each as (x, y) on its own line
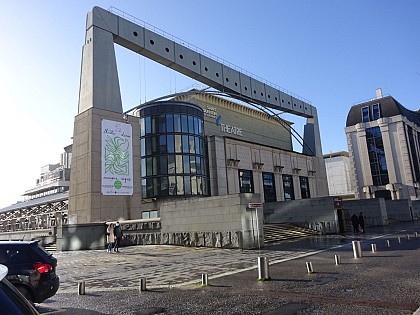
(315, 213)
(415, 204)
(374, 210)
(81, 236)
(399, 210)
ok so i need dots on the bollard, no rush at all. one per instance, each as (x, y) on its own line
(415, 234)
(357, 249)
(408, 236)
(267, 269)
(204, 279)
(373, 248)
(81, 288)
(142, 284)
(387, 243)
(261, 267)
(337, 259)
(399, 240)
(309, 267)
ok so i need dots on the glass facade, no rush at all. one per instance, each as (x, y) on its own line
(172, 150)
(414, 156)
(377, 158)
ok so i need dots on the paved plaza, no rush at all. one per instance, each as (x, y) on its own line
(384, 282)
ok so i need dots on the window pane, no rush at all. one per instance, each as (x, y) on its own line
(184, 123)
(198, 165)
(143, 167)
(376, 113)
(144, 188)
(155, 122)
(197, 146)
(246, 184)
(269, 187)
(289, 192)
(163, 165)
(172, 185)
(142, 130)
(194, 185)
(186, 164)
(187, 185)
(365, 114)
(177, 123)
(185, 145)
(142, 146)
(178, 158)
(149, 166)
(192, 165)
(196, 125)
(149, 187)
(199, 186)
(180, 185)
(148, 125)
(162, 123)
(191, 144)
(164, 186)
(178, 144)
(171, 164)
(162, 145)
(170, 144)
(190, 124)
(148, 146)
(155, 165)
(169, 123)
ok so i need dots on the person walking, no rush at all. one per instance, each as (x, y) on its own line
(362, 222)
(118, 236)
(110, 237)
(355, 223)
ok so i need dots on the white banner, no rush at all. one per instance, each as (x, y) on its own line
(117, 158)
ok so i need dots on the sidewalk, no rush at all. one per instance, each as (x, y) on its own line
(385, 282)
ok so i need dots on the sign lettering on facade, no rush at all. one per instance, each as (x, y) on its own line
(211, 111)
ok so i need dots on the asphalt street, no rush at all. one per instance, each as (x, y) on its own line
(383, 282)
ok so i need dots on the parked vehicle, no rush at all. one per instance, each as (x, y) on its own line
(11, 301)
(32, 270)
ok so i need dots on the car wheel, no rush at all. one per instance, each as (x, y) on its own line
(25, 292)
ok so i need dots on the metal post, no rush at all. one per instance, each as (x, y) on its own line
(309, 267)
(399, 240)
(337, 259)
(266, 268)
(258, 231)
(415, 234)
(408, 236)
(261, 268)
(373, 248)
(204, 279)
(142, 284)
(357, 249)
(387, 243)
(81, 288)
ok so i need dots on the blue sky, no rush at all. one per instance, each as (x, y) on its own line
(333, 53)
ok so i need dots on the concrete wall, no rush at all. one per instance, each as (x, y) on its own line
(316, 213)
(399, 210)
(81, 236)
(415, 204)
(374, 210)
(224, 216)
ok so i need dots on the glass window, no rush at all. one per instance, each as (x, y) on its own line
(246, 183)
(149, 187)
(377, 159)
(172, 185)
(304, 187)
(178, 144)
(186, 164)
(143, 167)
(196, 125)
(198, 165)
(185, 144)
(190, 124)
(142, 146)
(197, 145)
(162, 123)
(155, 123)
(289, 191)
(149, 166)
(376, 111)
(187, 185)
(170, 143)
(180, 185)
(269, 187)
(194, 185)
(192, 165)
(169, 123)
(365, 114)
(162, 145)
(191, 144)
(148, 125)
(171, 164)
(179, 165)
(184, 123)
(199, 186)
(177, 123)
(164, 186)
(143, 188)
(163, 164)
(142, 130)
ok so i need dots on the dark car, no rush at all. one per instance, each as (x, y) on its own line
(11, 301)
(31, 269)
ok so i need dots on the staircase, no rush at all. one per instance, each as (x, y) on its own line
(277, 232)
(50, 247)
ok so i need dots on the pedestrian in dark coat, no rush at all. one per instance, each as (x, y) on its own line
(355, 223)
(118, 236)
(362, 222)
